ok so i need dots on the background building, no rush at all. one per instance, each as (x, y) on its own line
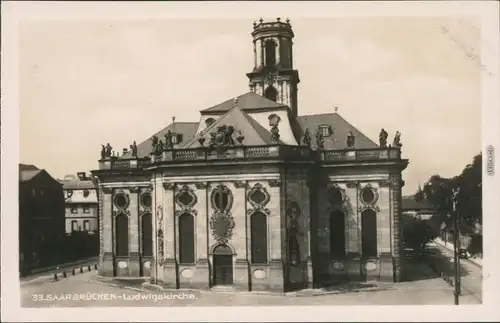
(80, 203)
(254, 195)
(41, 218)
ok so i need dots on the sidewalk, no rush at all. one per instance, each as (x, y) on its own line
(450, 246)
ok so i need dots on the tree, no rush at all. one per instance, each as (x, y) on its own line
(418, 232)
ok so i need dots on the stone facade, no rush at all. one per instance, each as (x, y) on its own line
(254, 209)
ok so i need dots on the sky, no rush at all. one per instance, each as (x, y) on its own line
(86, 83)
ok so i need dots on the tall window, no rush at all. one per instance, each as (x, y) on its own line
(186, 239)
(258, 237)
(369, 233)
(74, 225)
(337, 234)
(147, 235)
(271, 93)
(86, 225)
(121, 235)
(270, 53)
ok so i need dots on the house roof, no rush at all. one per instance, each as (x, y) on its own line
(28, 175)
(254, 133)
(246, 102)
(340, 129)
(409, 203)
(77, 185)
(28, 167)
(186, 129)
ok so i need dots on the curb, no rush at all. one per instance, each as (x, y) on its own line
(65, 273)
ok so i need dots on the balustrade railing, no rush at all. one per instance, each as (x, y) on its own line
(253, 152)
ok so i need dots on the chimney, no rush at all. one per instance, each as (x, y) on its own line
(81, 176)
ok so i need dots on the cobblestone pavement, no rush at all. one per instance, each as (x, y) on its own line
(86, 290)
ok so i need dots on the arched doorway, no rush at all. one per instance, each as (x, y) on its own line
(223, 265)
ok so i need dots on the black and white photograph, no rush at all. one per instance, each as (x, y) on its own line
(232, 155)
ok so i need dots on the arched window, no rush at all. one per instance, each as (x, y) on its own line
(271, 93)
(222, 198)
(121, 235)
(258, 237)
(337, 234)
(147, 235)
(186, 239)
(270, 53)
(369, 233)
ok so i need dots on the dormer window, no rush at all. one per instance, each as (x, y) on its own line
(325, 130)
(176, 138)
(209, 121)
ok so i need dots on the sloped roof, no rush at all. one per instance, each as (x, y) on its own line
(340, 129)
(28, 167)
(77, 185)
(246, 102)
(27, 175)
(186, 129)
(409, 203)
(254, 133)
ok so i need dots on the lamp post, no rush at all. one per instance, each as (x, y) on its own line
(456, 243)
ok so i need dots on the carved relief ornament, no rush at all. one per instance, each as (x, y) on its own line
(222, 222)
(168, 186)
(258, 197)
(274, 183)
(186, 198)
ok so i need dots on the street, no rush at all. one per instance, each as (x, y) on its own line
(85, 290)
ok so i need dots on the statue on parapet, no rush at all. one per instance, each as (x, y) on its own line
(351, 140)
(306, 138)
(320, 140)
(154, 143)
(133, 148)
(109, 149)
(169, 144)
(275, 134)
(397, 140)
(382, 137)
(103, 152)
(160, 147)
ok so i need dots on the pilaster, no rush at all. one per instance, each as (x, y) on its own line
(396, 182)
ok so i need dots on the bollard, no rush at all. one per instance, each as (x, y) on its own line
(55, 277)
(81, 269)
(90, 268)
(64, 274)
(73, 271)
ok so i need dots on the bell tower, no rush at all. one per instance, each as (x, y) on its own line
(273, 75)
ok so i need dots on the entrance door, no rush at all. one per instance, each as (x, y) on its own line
(223, 266)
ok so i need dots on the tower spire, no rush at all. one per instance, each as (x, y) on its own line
(273, 75)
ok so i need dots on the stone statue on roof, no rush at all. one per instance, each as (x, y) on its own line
(154, 143)
(351, 140)
(275, 134)
(382, 138)
(109, 149)
(306, 138)
(103, 152)
(169, 144)
(320, 141)
(397, 140)
(133, 148)
(160, 147)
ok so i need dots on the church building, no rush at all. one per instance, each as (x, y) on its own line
(254, 195)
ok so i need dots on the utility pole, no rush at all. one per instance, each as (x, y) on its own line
(456, 243)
